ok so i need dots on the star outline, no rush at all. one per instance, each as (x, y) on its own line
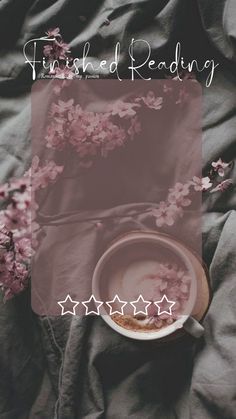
(169, 312)
(63, 311)
(100, 303)
(116, 311)
(137, 301)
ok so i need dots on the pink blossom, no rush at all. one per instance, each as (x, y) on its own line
(180, 189)
(42, 176)
(15, 280)
(201, 184)
(4, 191)
(165, 214)
(123, 109)
(78, 133)
(23, 249)
(53, 32)
(21, 200)
(91, 133)
(57, 89)
(12, 274)
(178, 195)
(21, 272)
(56, 50)
(47, 50)
(151, 101)
(206, 183)
(17, 225)
(61, 106)
(182, 202)
(168, 281)
(18, 184)
(7, 258)
(75, 113)
(14, 218)
(54, 136)
(223, 186)
(61, 50)
(220, 166)
(5, 237)
(167, 88)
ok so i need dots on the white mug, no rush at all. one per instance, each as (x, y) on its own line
(186, 321)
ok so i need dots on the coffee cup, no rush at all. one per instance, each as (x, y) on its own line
(118, 273)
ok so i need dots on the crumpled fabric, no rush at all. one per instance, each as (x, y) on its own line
(71, 368)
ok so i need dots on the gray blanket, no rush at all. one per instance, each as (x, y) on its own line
(74, 367)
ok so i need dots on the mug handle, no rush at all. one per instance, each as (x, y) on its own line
(193, 327)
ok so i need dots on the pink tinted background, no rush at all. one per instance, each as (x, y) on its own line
(120, 187)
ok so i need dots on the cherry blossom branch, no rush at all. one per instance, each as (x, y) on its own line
(167, 212)
(18, 209)
(17, 224)
(92, 134)
(180, 196)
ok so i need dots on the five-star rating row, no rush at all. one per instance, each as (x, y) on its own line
(116, 306)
